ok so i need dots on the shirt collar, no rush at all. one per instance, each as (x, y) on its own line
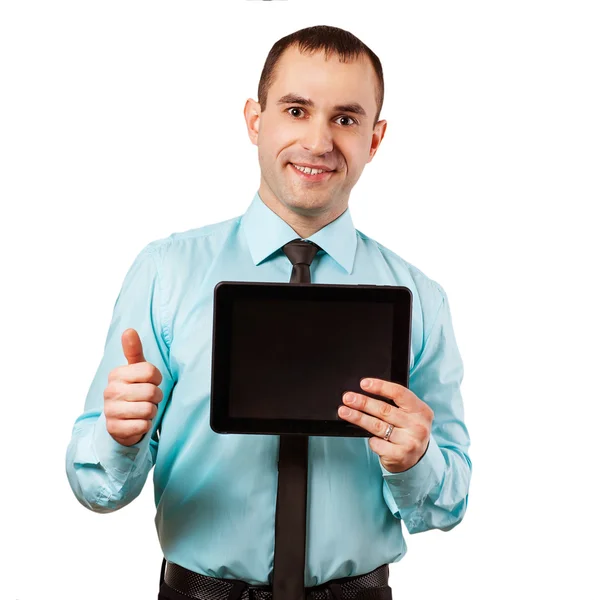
(266, 232)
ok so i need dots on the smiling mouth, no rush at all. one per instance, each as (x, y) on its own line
(311, 174)
(309, 170)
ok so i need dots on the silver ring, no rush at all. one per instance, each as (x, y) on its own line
(388, 432)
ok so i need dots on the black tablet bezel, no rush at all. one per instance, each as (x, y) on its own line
(226, 292)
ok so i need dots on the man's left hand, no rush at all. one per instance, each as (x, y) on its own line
(411, 418)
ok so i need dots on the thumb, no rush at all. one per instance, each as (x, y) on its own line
(132, 346)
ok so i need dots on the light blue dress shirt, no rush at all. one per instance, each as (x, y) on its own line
(215, 494)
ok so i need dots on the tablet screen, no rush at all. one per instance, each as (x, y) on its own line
(282, 351)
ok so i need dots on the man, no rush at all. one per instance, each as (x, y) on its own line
(316, 125)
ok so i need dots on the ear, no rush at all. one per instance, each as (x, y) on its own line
(252, 115)
(377, 137)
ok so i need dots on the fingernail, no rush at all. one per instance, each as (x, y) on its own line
(366, 383)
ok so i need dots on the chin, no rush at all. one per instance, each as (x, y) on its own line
(305, 204)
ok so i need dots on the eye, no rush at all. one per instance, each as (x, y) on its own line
(295, 108)
(347, 119)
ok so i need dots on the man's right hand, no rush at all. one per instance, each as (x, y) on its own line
(132, 395)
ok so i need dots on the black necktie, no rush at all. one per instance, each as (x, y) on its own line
(290, 512)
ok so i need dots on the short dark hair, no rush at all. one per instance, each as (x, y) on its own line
(320, 38)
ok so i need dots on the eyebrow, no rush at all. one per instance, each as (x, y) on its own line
(352, 107)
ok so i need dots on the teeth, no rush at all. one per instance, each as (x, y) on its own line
(309, 171)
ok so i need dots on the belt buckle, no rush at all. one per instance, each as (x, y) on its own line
(237, 590)
(330, 591)
(335, 590)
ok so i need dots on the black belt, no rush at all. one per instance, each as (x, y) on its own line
(370, 586)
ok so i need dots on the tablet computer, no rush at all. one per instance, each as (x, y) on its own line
(284, 354)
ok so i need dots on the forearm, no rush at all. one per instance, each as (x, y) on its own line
(433, 493)
(103, 474)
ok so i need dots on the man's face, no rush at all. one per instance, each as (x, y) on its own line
(319, 113)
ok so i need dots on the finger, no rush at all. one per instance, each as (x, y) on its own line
(368, 423)
(130, 410)
(132, 346)
(128, 428)
(402, 396)
(377, 408)
(140, 392)
(143, 372)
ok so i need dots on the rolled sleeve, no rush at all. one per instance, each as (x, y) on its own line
(411, 486)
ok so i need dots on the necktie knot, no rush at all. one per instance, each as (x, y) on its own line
(301, 252)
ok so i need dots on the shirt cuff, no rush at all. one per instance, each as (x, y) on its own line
(117, 460)
(412, 486)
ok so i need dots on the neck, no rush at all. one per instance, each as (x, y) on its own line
(304, 222)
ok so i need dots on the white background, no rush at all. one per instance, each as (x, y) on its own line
(121, 122)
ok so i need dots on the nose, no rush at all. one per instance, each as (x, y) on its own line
(317, 136)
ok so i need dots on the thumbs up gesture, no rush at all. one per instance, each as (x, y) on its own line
(132, 395)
